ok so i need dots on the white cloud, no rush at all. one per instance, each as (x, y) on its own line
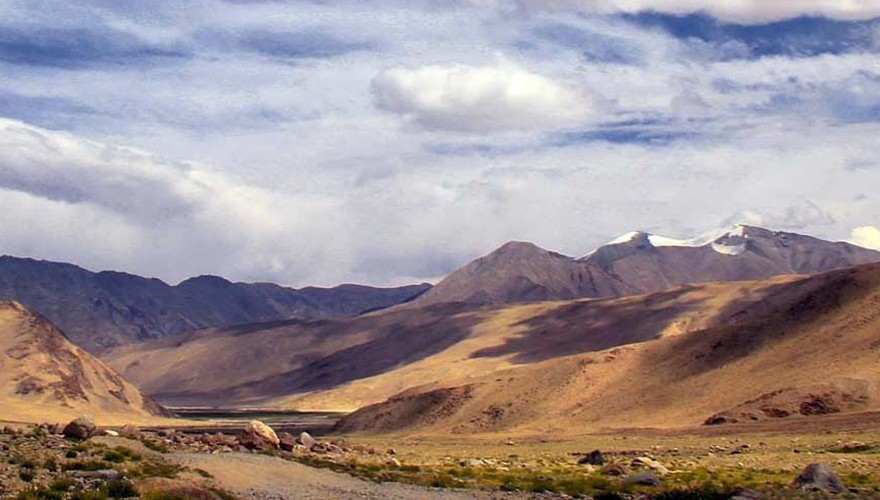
(737, 11)
(866, 236)
(483, 99)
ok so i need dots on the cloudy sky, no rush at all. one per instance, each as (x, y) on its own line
(384, 142)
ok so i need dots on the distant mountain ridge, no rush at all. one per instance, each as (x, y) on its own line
(101, 310)
(639, 263)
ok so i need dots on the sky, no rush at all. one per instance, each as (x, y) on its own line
(389, 142)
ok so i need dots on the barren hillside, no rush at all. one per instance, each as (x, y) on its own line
(346, 364)
(816, 352)
(43, 377)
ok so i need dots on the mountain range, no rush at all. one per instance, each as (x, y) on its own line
(520, 305)
(639, 263)
(475, 344)
(101, 310)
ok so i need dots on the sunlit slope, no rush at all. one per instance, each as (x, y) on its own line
(814, 348)
(346, 364)
(45, 378)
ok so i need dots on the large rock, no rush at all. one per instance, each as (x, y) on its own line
(259, 436)
(307, 440)
(819, 477)
(130, 431)
(642, 479)
(287, 441)
(80, 429)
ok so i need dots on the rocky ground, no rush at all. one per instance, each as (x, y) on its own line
(79, 461)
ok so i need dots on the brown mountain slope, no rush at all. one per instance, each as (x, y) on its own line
(346, 364)
(43, 377)
(817, 351)
(640, 263)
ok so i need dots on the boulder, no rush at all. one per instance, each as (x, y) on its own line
(130, 431)
(286, 441)
(259, 436)
(307, 440)
(80, 429)
(642, 479)
(595, 457)
(819, 477)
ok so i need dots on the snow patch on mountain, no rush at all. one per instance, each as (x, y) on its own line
(714, 238)
(729, 249)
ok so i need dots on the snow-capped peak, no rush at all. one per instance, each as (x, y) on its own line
(718, 239)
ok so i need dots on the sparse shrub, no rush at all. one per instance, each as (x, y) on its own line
(121, 454)
(184, 493)
(153, 445)
(156, 469)
(62, 484)
(205, 474)
(41, 494)
(119, 488)
(89, 465)
(27, 463)
(90, 495)
(26, 475)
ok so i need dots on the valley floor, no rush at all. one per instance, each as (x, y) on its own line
(709, 462)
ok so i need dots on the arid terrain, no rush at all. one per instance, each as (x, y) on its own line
(728, 389)
(44, 377)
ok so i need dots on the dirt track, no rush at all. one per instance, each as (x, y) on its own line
(258, 477)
